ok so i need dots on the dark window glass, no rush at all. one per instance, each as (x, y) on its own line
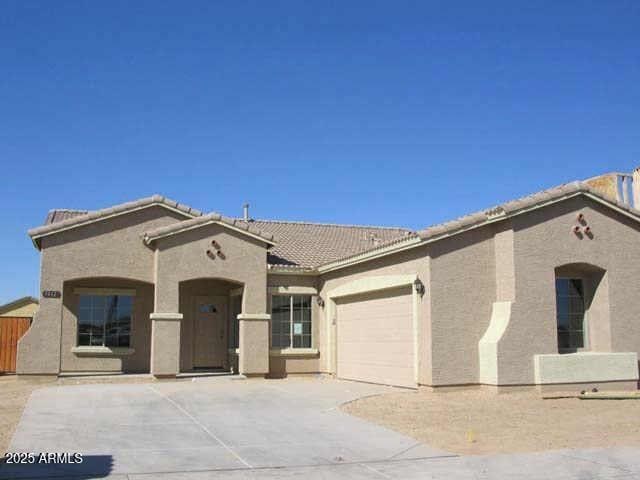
(570, 313)
(291, 321)
(104, 320)
(280, 321)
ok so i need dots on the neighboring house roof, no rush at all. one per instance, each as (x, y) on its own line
(210, 218)
(305, 245)
(62, 214)
(485, 217)
(14, 304)
(68, 220)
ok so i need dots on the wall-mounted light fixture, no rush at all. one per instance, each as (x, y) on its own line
(576, 229)
(580, 217)
(215, 244)
(211, 255)
(320, 301)
(419, 286)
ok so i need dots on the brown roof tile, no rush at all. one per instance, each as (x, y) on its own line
(307, 245)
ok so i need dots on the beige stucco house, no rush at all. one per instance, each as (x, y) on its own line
(538, 291)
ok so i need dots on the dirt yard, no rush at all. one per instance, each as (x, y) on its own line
(13, 397)
(479, 422)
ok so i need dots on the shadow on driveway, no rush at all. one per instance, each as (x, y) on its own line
(92, 466)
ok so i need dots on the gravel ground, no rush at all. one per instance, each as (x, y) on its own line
(481, 422)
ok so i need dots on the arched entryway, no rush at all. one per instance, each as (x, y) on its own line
(209, 330)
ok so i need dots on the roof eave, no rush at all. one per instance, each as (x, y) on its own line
(149, 239)
(491, 217)
(40, 232)
(275, 269)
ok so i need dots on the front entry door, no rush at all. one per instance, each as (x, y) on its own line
(210, 335)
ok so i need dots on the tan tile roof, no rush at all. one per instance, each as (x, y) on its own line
(307, 245)
(298, 245)
(72, 218)
(62, 214)
(209, 218)
(497, 213)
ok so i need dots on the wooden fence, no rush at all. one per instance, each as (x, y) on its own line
(11, 329)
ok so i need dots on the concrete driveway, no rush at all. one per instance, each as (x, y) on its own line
(225, 428)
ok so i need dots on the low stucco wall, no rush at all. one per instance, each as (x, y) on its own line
(587, 367)
(282, 365)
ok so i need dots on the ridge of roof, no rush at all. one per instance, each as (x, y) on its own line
(202, 220)
(484, 217)
(95, 215)
(322, 224)
(507, 209)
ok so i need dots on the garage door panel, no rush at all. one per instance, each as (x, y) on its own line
(375, 338)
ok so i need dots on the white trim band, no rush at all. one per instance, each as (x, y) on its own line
(293, 290)
(254, 316)
(102, 351)
(293, 352)
(166, 316)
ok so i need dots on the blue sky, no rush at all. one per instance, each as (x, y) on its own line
(390, 113)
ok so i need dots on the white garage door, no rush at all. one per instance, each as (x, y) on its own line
(375, 338)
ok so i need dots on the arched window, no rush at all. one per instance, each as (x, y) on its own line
(581, 299)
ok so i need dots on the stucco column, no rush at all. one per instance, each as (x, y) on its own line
(165, 344)
(165, 328)
(254, 343)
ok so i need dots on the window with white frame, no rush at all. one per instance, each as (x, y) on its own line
(105, 320)
(291, 321)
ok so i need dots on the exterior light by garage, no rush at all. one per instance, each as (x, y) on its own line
(419, 286)
(320, 301)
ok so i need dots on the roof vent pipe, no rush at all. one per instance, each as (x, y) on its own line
(245, 212)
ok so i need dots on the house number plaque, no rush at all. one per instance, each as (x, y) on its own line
(51, 293)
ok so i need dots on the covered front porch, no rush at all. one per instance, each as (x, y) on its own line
(210, 299)
(210, 332)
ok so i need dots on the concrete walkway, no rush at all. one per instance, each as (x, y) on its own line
(225, 428)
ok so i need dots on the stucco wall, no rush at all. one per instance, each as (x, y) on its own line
(461, 292)
(544, 241)
(110, 248)
(183, 257)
